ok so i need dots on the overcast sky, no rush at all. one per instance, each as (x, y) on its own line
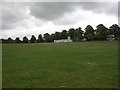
(21, 19)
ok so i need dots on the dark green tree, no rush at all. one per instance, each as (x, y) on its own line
(101, 32)
(5, 41)
(89, 33)
(115, 30)
(17, 40)
(63, 34)
(47, 37)
(33, 39)
(40, 39)
(57, 35)
(10, 40)
(25, 39)
(71, 33)
(79, 34)
(53, 37)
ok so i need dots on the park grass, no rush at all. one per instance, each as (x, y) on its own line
(58, 65)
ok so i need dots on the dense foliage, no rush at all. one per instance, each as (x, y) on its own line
(100, 33)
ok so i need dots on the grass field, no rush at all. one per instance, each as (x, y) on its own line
(58, 65)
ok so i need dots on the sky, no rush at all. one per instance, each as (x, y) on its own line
(19, 19)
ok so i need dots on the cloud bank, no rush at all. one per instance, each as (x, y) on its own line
(27, 18)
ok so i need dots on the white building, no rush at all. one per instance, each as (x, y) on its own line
(63, 40)
(111, 37)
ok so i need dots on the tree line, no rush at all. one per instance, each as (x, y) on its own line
(100, 33)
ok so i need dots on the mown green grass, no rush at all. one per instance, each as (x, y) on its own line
(55, 65)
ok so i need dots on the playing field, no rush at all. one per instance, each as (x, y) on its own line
(61, 65)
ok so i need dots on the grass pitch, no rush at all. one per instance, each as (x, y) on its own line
(58, 65)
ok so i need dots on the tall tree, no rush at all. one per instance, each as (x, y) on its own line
(53, 37)
(47, 37)
(57, 35)
(89, 33)
(40, 39)
(64, 34)
(17, 40)
(10, 40)
(5, 41)
(71, 33)
(115, 30)
(33, 39)
(79, 34)
(101, 32)
(25, 39)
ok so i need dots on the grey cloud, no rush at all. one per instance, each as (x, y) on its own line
(101, 7)
(50, 10)
(119, 13)
(13, 13)
(55, 10)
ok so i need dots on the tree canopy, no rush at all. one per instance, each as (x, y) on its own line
(89, 33)
(33, 39)
(25, 39)
(100, 33)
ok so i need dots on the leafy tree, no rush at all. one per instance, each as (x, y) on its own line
(89, 33)
(115, 30)
(40, 39)
(79, 34)
(33, 39)
(71, 33)
(57, 35)
(25, 39)
(4, 41)
(63, 34)
(53, 37)
(47, 37)
(17, 40)
(10, 40)
(101, 32)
